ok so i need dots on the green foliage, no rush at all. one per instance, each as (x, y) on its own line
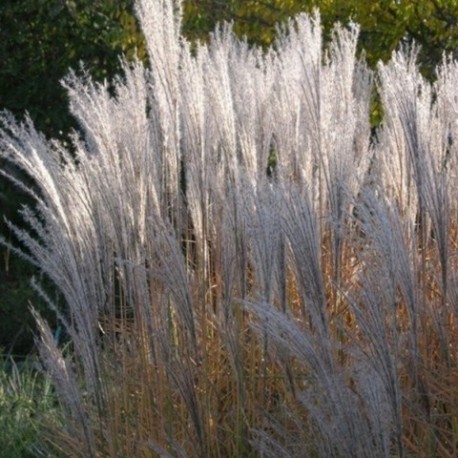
(384, 23)
(26, 403)
(387, 23)
(40, 40)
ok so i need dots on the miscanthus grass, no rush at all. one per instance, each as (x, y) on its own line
(246, 270)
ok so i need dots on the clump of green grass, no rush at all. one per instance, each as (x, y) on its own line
(27, 404)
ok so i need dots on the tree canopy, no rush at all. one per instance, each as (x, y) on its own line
(433, 24)
(41, 39)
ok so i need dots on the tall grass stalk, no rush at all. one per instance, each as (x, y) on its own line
(246, 272)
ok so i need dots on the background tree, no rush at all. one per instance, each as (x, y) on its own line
(433, 24)
(42, 39)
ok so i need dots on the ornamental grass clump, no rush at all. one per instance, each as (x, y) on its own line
(246, 270)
